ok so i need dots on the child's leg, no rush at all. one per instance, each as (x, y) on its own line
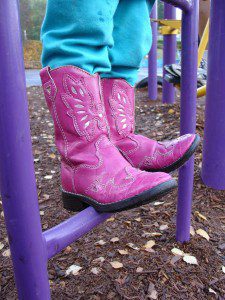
(78, 33)
(132, 39)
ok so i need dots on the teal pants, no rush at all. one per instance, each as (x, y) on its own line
(109, 37)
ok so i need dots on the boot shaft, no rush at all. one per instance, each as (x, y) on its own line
(119, 100)
(74, 100)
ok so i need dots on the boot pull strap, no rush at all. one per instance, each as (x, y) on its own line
(49, 86)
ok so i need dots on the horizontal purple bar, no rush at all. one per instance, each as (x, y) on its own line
(185, 5)
(67, 232)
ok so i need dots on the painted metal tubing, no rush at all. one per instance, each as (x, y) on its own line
(169, 55)
(185, 5)
(17, 180)
(152, 57)
(187, 117)
(213, 164)
(62, 235)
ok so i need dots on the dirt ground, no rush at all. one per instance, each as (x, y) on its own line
(136, 272)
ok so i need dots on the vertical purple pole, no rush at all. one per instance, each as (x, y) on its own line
(169, 55)
(152, 57)
(17, 181)
(188, 116)
(213, 166)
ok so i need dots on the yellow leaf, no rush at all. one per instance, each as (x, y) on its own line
(52, 155)
(149, 244)
(197, 213)
(171, 111)
(203, 233)
(110, 219)
(116, 264)
(123, 252)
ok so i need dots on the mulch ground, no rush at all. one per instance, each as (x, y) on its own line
(155, 273)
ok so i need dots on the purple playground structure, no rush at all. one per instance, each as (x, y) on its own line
(169, 54)
(152, 58)
(30, 247)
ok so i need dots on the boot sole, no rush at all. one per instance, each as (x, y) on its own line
(75, 202)
(181, 161)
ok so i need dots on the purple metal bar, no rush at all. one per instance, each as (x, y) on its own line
(17, 181)
(213, 165)
(169, 55)
(62, 235)
(152, 57)
(188, 116)
(185, 5)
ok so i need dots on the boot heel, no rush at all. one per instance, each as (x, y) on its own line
(73, 202)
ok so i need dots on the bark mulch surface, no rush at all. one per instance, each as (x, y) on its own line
(114, 262)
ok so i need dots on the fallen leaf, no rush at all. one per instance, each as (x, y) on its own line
(157, 203)
(68, 250)
(116, 264)
(138, 219)
(100, 259)
(95, 271)
(192, 231)
(177, 252)
(132, 246)
(74, 270)
(171, 111)
(52, 155)
(6, 253)
(128, 223)
(123, 252)
(148, 234)
(1, 246)
(114, 240)
(212, 291)
(189, 259)
(163, 227)
(203, 233)
(100, 243)
(197, 213)
(139, 270)
(110, 219)
(48, 177)
(42, 213)
(152, 293)
(149, 244)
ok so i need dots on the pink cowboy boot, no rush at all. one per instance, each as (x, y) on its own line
(140, 151)
(93, 171)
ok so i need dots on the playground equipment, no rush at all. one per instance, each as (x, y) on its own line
(169, 52)
(174, 78)
(30, 248)
(169, 29)
(213, 166)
